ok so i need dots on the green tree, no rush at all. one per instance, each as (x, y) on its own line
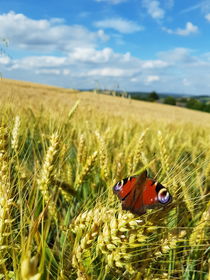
(195, 104)
(183, 100)
(207, 108)
(153, 96)
(170, 100)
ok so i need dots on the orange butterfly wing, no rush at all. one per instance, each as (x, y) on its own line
(131, 193)
(138, 193)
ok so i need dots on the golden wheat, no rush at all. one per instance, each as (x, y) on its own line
(69, 178)
(46, 176)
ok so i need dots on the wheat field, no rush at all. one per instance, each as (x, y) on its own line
(61, 153)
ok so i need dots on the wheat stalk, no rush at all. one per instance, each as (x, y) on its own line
(86, 170)
(6, 199)
(163, 153)
(103, 156)
(139, 149)
(29, 269)
(15, 134)
(46, 176)
(198, 234)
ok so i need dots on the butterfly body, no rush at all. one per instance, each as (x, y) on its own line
(138, 193)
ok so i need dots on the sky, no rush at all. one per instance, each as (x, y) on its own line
(131, 45)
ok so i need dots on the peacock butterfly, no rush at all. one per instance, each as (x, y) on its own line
(138, 193)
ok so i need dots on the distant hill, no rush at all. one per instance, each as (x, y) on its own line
(145, 93)
(24, 95)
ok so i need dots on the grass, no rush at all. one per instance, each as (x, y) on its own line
(61, 153)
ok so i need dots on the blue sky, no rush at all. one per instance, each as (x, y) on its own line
(133, 45)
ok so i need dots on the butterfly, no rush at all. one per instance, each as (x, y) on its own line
(138, 193)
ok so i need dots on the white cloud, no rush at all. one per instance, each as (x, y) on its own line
(113, 2)
(91, 55)
(82, 66)
(38, 62)
(203, 6)
(188, 73)
(46, 35)
(152, 79)
(176, 70)
(48, 71)
(110, 72)
(186, 82)
(84, 14)
(66, 72)
(178, 56)
(87, 57)
(207, 17)
(134, 80)
(41, 70)
(189, 29)
(151, 64)
(169, 4)
(168, 30)
(4, 60)
(191, 8)
(120, 25)
(153, 9)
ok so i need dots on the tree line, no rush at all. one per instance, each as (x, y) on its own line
(188, 102)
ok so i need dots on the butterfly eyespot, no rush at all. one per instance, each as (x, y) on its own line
(118, 186)
(164, 196)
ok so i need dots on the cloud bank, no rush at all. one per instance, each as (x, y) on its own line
(120, 25)
(189, 29)
(46, 35)
(153, 9)
(74, 56)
